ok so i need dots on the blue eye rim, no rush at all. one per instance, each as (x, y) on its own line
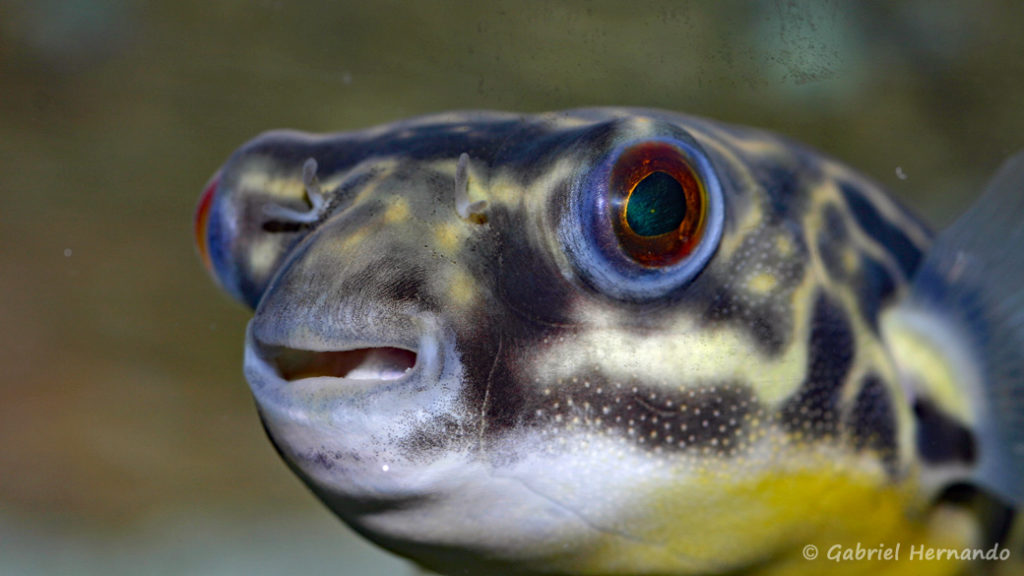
(587, 233)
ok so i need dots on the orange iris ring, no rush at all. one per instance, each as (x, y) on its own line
(632, 166)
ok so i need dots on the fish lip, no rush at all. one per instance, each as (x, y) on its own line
(276, 391)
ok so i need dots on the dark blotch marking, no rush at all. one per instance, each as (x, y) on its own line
(996, 517)
(782, 187)
(491, 348)
(505, 396)
(872, 423)
(829, 252)
(788, 177)
(815, 409)
(832, 238)
(875, 287)
(767, 327)
(883, 231)
(532, 151)
(529, 282)
(940, 438)
(769, 320)
(835, 224)
(710, 418)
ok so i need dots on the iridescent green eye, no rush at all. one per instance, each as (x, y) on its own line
(644, 219)
(656, 206)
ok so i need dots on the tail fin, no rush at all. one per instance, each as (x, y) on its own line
(974, 277)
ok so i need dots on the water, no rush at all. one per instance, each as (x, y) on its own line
(130, 444)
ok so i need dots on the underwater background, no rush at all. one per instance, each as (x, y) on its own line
(129, 443)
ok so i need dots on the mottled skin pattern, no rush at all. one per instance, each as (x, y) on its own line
(549, 427)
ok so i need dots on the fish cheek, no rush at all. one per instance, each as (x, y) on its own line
(528, 282)
(524, 301)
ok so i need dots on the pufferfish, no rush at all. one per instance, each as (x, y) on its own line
(624, 342)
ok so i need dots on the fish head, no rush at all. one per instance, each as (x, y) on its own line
(569, 343)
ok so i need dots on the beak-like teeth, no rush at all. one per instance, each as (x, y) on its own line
(384, 363)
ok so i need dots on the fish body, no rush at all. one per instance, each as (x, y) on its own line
(619, 341)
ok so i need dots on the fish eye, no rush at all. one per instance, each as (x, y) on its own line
(644, 219)
(658, 205)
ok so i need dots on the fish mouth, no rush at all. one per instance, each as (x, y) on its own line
(383, 363)
(335, 402)
(292, 365)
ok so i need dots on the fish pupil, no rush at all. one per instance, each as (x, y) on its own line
(656, 206)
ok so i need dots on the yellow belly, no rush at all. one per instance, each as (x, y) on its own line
(805, 520)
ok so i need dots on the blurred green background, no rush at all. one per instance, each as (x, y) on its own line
(128, 441)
